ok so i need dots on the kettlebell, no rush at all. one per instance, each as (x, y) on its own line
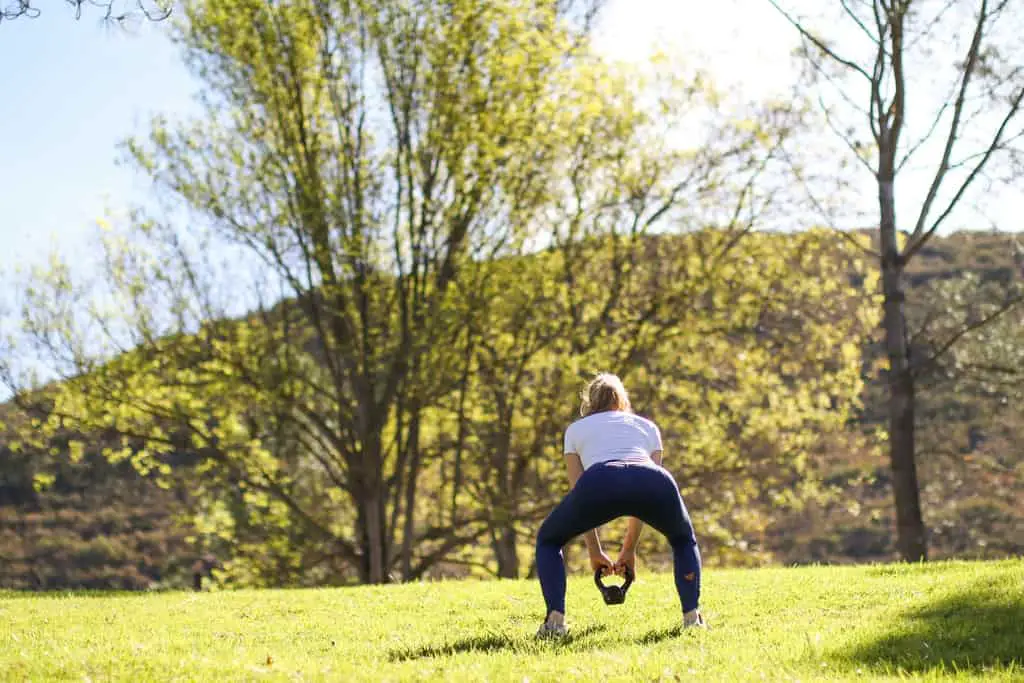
(613, 595)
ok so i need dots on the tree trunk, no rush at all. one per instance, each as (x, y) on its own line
(370, 501)
(409, 528)
(910, 532)
(377, 546)
(460, 441)
(503, 533)
(373, 545)
(504, 543)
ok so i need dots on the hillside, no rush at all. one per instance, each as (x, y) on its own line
(956, 620)
(101, 526)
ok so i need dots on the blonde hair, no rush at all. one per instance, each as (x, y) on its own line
(603, 393)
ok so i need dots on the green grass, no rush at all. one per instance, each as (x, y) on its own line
(816, 623)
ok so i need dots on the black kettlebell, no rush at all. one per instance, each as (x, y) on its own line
(613, 595)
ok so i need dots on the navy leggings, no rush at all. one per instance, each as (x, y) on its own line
(605, 492)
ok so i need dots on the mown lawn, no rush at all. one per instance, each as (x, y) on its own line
(816, 623)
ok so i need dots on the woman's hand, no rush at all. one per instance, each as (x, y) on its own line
(627, 558)
(600, 560)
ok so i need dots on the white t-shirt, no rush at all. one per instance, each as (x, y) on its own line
(612, 435)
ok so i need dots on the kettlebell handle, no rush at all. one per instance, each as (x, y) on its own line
(600, 583)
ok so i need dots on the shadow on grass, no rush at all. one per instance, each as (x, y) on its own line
(973, 630)
(487, 643)
(660, 634)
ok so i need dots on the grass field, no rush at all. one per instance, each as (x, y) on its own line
(817, 623)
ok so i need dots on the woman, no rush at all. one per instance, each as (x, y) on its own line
(614, 460)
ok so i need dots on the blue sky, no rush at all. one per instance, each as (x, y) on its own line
(70, 91)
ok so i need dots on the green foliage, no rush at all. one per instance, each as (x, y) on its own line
(970, 470)
(395, 167)
(945, 620)
(739, 364)
(970, 331)
(456, 214)
(367, 153)
(754, 378)
(413, 229)
(735, 355)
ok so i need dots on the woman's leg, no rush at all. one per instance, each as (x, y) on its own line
(686, 561)
(659, 504)
(589, 505)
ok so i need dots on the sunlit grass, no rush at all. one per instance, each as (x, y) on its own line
(934, 621)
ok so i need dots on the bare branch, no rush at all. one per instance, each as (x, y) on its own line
(152, 10)
(926, 31)
(879, 126)
(1008, 371)
(996, 144)
(918, 237)
(818, 42)
(850, 144)
(821, 210)
(924, 138)
(943, 348)
(860, 24)
(897, 107)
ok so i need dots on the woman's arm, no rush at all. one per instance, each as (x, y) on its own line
(597, 557)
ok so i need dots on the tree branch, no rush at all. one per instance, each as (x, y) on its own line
(944, 348)
(918, 236)
(996, 144)
(818, 43)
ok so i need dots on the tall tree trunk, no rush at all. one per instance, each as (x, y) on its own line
(409, 528)
(504, 544)
(370, 500)
(376, 545)
(503, 533)
(910, 532)
(372, 541)
(460, 441)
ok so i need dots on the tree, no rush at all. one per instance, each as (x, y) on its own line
(591, 299)
(732, 350)
(113, 11)
(969, 408)
(761, 370)
(972, 130)
(363, 154)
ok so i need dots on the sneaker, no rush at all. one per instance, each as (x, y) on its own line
(699, 623)
(554, 631)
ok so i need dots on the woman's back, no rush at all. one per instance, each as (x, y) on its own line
(612, 435)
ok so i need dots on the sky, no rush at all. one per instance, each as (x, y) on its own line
(71, 90)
